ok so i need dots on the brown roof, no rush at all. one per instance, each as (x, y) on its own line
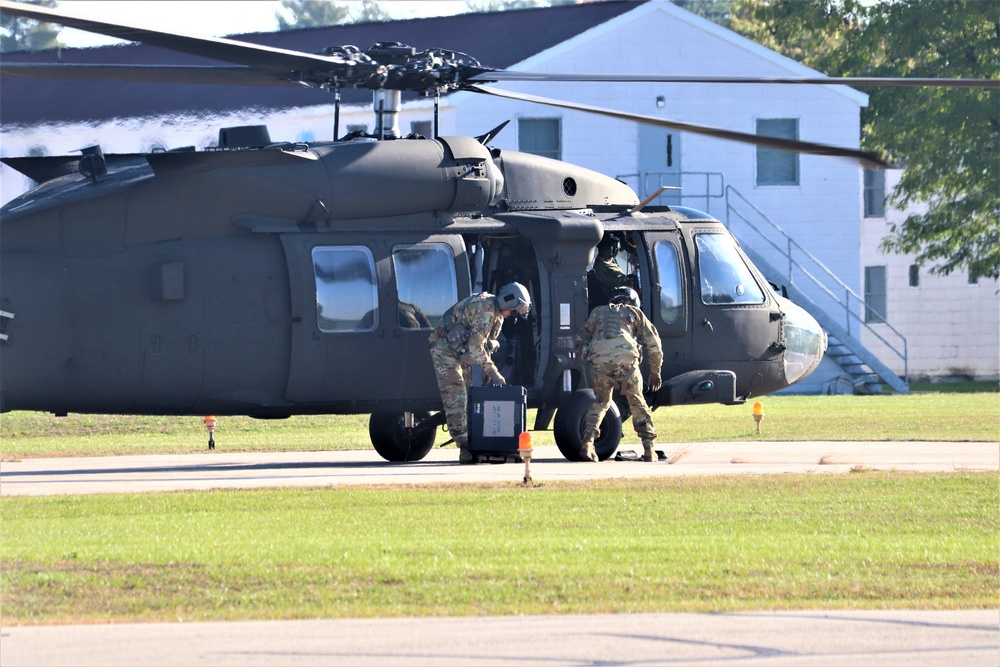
(496, 39)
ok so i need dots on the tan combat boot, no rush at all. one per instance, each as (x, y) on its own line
(465, 457)
(587, 451)
(648, 455)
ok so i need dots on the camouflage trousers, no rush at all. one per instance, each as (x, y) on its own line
(454, 379)
(631, 388)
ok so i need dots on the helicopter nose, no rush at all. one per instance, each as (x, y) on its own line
(805, 342)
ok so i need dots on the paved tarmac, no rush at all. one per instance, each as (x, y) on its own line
(778, 639)
(218, 469)
(799, 638)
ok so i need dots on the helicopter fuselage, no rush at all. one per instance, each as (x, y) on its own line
(300, 279)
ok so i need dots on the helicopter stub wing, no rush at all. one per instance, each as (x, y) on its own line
(870, 159)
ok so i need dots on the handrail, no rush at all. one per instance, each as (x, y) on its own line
(797, 257)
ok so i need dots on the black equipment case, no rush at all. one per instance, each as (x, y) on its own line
(497, 417)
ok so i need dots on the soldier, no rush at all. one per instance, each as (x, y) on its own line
(609, 342)
(467, 335)
(607, 276)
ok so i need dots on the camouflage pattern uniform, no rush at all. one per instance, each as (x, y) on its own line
(609, 343)
(482, 319)
(607, 276)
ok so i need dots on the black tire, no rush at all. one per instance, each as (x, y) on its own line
(568, 427)
(394, 442)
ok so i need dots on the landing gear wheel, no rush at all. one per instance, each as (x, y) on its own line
(569, 422)
(394, 442)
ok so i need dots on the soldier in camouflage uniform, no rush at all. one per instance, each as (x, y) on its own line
(609, 342)
(468, 335)
(608, 276)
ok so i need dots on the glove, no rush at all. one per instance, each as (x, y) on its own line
(654, 381)
(496, 380)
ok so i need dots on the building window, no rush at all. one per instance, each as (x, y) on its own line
(875, 294)
(346, 289)
(425, 284)
(914, 275)
(777, 167)
(540, 136)
(874, 193)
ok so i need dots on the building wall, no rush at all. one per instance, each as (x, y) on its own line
(951, 327)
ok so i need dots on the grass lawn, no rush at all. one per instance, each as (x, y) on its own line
(865, 540)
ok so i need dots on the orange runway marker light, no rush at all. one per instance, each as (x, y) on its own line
(524, 449)
(210, 425)
(758, 414)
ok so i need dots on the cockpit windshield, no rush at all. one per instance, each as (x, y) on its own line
(725, 277)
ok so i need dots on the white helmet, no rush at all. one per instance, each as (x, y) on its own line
(515, 297)
(624, 295)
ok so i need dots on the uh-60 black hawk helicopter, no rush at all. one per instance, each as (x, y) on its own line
(268, 279)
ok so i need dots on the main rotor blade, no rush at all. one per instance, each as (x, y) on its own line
(509, 75)
(229, 75)
(218, 48)
(757, 140)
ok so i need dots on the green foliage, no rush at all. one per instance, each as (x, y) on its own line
(716, 11)
(504, 5)
(17, 34)
(866, 540)
(947, 140)
(310, 14)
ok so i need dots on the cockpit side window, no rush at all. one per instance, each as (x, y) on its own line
(725, 277)
(426, 285)
(346, 289)
(668, 270)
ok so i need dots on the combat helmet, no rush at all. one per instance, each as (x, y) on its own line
(624, 295)
(514, 297)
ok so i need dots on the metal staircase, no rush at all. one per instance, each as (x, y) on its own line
(810, 284)
(836, 307)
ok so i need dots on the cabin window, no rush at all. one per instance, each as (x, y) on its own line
(540, 136)
(725, 277)
(668, 269)
(346, 289)
(875, 294)
(426, 285)
(874, 193)
(777, 167)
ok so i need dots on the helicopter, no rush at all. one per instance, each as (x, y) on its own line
(262, 278)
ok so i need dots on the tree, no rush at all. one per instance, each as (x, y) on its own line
(17, 34)
(367, 11)
(946, 139)
(310, 14)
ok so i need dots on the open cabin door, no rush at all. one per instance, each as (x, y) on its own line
(363, 306)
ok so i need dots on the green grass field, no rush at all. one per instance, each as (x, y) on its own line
(928, 416)
(863, 540)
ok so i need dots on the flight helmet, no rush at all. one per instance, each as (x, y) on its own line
(514, 297)
(608, 247)
(624, 295)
